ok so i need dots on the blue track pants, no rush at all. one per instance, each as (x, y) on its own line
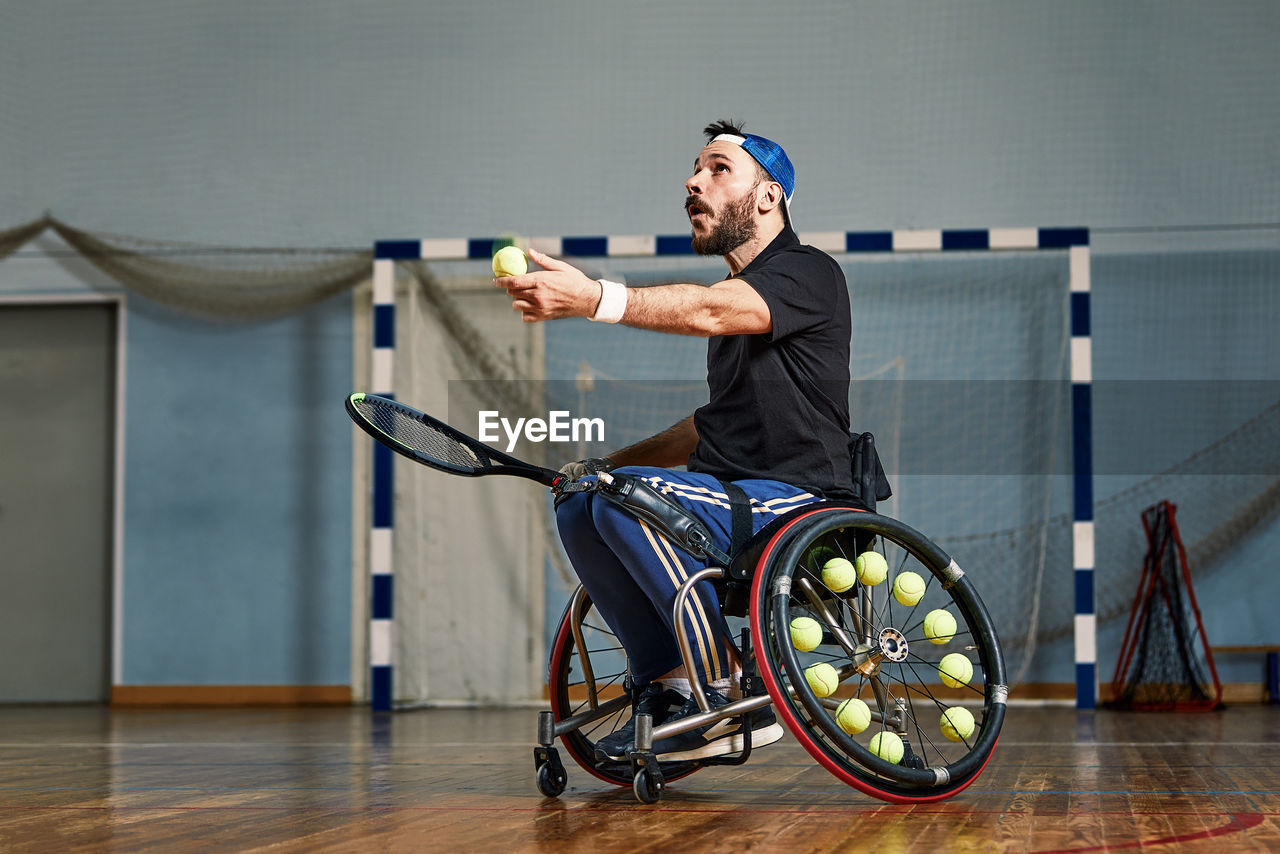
(633, 572)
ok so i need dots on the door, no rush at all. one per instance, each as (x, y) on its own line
(57, 405)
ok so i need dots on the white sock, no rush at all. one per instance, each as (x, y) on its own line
(680, 685)
(729, 686)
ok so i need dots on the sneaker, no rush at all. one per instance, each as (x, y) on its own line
(717, 738)
(656, 700)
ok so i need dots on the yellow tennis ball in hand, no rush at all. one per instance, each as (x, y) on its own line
(939, 626)
(908, 588)
(838, 574)
(886, 745)
(510, 261)
(956, 670)
(853, 716)
(957, 723)
(871, 568)
(806, 633)
(822, 678)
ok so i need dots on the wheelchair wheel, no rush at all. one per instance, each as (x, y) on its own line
(882, 654)
(591, 680)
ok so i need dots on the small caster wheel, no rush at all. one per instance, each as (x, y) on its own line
(647, 786)
(551, 781)
(549, 771)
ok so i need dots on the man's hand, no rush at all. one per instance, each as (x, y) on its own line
(582, 468)
(557, 290)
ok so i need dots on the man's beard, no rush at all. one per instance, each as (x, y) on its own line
(735, 227)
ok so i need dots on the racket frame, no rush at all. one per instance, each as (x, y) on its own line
(499, 463)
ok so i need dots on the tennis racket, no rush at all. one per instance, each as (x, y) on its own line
(433, 443)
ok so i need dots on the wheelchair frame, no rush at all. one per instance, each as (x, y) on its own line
(779, 565)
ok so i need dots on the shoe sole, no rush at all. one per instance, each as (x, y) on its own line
(601, 756)
(729, 744)
(720, 747)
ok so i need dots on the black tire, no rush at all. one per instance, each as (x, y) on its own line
(571, 694)
(885, 658)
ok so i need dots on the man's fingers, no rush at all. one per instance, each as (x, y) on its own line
(547, 262)
(530, 311)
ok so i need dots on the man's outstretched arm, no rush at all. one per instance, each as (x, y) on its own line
(730, 307)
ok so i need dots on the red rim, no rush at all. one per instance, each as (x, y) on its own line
(557, 654)
(798, 727)
(559, 712)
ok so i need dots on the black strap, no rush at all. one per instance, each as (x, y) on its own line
(739, 517)
(678, 523)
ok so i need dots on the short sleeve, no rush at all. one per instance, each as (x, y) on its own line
(801, 289)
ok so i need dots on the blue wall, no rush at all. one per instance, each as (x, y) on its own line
(237, 477)
(237, 516)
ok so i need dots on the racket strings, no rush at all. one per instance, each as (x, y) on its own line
(420, 437)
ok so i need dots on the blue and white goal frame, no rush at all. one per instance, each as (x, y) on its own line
(1074, 241)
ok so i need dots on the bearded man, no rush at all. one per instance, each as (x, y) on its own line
(775, 428)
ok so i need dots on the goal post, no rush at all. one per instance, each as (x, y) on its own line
(667, 252)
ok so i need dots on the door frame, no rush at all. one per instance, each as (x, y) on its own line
(120, 301)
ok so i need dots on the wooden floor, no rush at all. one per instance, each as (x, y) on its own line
(91, 779)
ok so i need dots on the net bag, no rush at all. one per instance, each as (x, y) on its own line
(1165, 662)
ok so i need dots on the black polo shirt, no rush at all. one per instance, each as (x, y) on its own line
(779, 405)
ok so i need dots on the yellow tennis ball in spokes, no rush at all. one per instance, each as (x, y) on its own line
(956, 670)
(957, 723)
(822, 678)
(806, 633)
(510, 261)
(838, 574)
(908, 588)
(939, 626)
(853, 716)
(871, 568)
(820, 555)
(886, 745)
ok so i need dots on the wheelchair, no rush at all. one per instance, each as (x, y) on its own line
(885, 654)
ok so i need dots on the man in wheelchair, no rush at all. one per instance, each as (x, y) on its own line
(773, 436)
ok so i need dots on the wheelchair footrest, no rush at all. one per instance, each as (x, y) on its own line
(738, 758)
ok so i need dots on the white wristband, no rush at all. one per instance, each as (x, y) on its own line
(613, 302)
